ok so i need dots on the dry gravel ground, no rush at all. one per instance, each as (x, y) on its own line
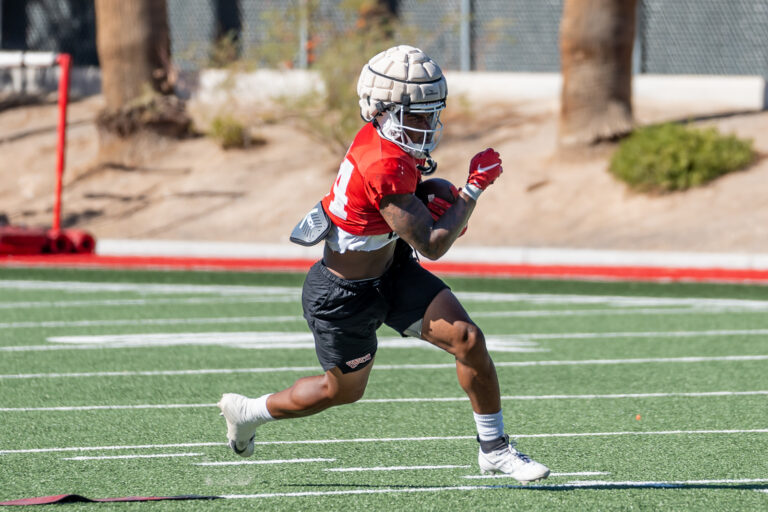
(193, 190)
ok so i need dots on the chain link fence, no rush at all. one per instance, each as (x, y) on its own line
(704, 37)
(674, 36)
(65, 26)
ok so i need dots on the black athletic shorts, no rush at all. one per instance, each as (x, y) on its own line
(344, 315)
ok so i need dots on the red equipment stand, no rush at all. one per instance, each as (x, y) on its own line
(19, 240)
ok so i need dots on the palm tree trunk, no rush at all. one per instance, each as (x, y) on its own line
(596, 40)
(124, 39)
(134, 47)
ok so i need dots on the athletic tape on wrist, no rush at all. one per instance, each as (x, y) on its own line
(472, 191)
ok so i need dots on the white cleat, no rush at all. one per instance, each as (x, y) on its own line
(505, 459)
(241, 423)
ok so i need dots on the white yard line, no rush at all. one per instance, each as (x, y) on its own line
(252, 462)
(568, 485)
(147, 288)
(705, 394)
(145, 456)
(246, 340)
(612, 300)
(520, 336)
(683, 309)
(534, 313)
(152, 321)
(382, 367)
(161, 373)
(384, 440)
(641, 334)
(580, 362)
(105, 407)
(575, 397)
(303, 339)
(664, 483)
(654, 433)
(394, 468)
(176, 301)
(554, 313)
(229, 290)
(112, 448)
(631, 361)
(296, 318)
(257, 345)
(506, 477)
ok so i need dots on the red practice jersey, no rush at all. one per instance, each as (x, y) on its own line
(373, 168)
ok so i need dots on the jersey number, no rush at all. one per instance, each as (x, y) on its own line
(338, 206)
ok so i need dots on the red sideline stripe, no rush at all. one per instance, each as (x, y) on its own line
(157, 262)
(447, 268)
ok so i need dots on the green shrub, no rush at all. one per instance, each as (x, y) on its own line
(228, 132)
(669, 157)
(338, 61)
(340, 41)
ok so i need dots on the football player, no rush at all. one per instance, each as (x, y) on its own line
(371, 222)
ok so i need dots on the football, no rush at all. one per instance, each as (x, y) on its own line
(429, 189)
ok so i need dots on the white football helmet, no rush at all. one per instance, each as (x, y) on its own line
(399, 83)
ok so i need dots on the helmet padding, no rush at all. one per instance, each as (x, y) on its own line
(400, 75)
(401, 80)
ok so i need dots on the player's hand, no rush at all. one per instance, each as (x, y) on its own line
(484, 168)
(438, 206)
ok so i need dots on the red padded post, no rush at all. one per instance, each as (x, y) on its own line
(65, 61)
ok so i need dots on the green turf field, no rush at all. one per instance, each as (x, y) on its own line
(637, 396)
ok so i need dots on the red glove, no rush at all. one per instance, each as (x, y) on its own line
(438, 206)
(484, 168)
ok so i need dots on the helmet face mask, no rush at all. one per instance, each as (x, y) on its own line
(404, 91)
(416, 128)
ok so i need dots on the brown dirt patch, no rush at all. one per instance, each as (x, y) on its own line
(193, 190)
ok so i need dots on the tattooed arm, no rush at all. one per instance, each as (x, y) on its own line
(410, 219)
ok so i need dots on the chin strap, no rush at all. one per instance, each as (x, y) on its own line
(429, 167)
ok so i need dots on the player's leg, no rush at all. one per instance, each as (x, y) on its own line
(343, 317)
(422, 305)
(311, 395)
(447, 325)
(307, 396)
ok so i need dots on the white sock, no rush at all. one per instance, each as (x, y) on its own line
(257, 407)
(489, 426)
